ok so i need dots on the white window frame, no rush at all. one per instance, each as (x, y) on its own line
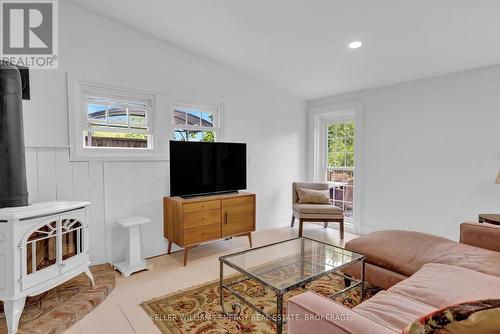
(215, 109)
(78, 92)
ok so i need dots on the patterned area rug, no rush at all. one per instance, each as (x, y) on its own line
(58, 309)
(197, 310)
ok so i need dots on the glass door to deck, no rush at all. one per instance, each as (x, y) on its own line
(340, 170)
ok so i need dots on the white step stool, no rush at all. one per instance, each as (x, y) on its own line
(134, 262)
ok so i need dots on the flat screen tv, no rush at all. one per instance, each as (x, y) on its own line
(198, 168)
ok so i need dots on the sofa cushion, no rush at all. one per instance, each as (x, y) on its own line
(375, 275)
(309, 312)
(327, 209)
(470, 317)
(392, 310)
(406, 252)
(440, 285)
(480, 235)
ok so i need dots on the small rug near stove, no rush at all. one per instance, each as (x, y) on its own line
(58, 309)
(197, 310)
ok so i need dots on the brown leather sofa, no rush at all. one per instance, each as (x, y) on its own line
(421, 274)
(393, 256)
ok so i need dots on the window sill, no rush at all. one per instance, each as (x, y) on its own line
(117, 155)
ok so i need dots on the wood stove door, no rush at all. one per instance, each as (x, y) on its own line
(73, 240)
(39, 251)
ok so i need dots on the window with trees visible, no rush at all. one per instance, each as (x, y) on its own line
(195, 123)
(340, 171)
(117, 122)
(341, 145)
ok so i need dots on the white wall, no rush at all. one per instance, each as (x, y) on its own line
(99, 50)
(431, 151)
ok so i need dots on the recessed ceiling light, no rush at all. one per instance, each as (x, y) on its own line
(354, 44)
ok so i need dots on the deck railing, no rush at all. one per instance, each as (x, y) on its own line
(342, 189)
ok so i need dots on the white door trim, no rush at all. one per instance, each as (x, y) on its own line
(319, 117)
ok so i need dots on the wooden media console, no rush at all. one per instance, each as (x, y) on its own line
(189, 222)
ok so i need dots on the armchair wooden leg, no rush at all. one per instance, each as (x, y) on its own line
(325, 225)
(341, 229)
(186, 252)
(301, 227)
(293, 220)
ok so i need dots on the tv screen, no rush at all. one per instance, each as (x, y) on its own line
(198, 168)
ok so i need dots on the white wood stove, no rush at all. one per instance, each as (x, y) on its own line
(41, 246)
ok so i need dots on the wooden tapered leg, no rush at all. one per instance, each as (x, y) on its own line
(325, 225)
(301, 227)
(169, 246)
(341, 229)
(186, 252)
(250, 239)
(293, 220)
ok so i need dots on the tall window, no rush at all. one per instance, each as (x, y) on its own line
(194, 123)
(341, 164)
(117, 122)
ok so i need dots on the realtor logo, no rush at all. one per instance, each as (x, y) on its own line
(29, 33)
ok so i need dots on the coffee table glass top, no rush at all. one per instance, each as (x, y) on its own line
(290, 263)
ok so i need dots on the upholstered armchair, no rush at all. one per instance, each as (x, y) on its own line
(308, 212)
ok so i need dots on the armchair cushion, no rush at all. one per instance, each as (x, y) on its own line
(305, 185)
(312, 196)
(326, 209)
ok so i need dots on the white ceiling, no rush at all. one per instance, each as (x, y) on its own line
(299, 45)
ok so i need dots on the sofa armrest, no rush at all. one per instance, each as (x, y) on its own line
(481, 235)
(312, 313)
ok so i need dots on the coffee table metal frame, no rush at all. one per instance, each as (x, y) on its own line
(278, 319)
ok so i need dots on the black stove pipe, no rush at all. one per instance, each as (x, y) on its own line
(13, 186)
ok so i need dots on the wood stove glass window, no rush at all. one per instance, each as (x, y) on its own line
(72, 238)
(41, 249)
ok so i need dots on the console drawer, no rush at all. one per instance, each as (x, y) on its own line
(201, 218)
(239, 201)
(203, 233)
(200, 206)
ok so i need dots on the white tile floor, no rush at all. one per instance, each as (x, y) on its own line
(121, 313)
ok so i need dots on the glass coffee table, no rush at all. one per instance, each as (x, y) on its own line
(303, 260)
